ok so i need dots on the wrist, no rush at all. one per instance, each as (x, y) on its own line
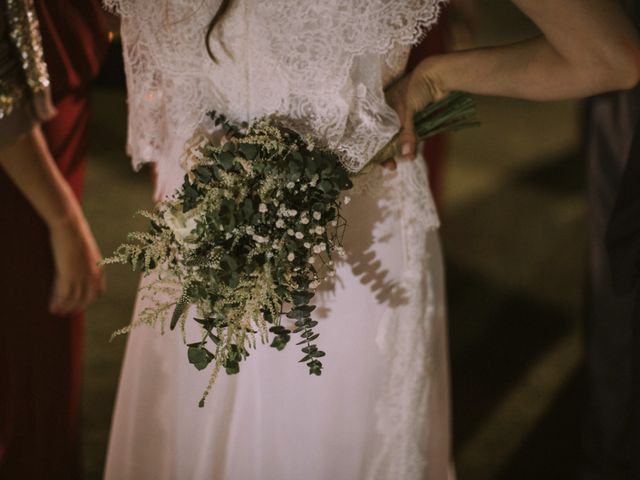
(433, 72)
(65, 214)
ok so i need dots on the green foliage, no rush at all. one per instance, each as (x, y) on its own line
(243, 234)
(199, 356)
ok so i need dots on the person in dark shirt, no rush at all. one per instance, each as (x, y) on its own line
(612, 121)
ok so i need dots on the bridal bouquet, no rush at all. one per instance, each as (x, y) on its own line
(250, 235)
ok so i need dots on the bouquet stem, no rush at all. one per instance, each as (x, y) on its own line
(456, 111)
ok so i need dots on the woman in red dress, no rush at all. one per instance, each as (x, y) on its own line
(47, 253)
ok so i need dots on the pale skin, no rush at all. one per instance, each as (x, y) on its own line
(586, 47)
(78, 279)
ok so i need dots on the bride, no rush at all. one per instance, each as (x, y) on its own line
(381, 409)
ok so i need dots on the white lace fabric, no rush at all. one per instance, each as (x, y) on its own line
(321, 65)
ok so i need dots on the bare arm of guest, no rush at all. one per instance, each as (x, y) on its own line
(585, 47)
(78, 280)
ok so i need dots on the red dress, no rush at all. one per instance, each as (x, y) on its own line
(40, 354)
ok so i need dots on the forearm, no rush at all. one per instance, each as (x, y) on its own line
(28, 163)
(587, 47)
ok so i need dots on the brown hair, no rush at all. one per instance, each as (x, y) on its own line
(214, 21)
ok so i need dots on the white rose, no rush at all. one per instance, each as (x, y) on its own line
(182, 224)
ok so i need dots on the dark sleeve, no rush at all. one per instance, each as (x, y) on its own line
(16, 111)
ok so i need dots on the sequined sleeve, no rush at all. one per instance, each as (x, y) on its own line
(24, 82)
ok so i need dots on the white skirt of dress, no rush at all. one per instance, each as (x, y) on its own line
(380, 409)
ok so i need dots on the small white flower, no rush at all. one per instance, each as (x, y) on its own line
(341, 252)
(290, 185)
(260, 239)
(250, 230)
(317, 215)
(290, 232)
(299, 235)
(293, 213)
(319, 230)
(347, 200)
(269, 255)
(333, 223)
(262, 208)
(280, 223)
(304, 220)
(227, 236)
(291, 257)
(303, 188)
(307, 245)
(321, 247)
(312, 260)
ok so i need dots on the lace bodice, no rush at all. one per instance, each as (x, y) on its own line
(321, 65)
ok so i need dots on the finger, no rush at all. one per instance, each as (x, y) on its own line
(407, 137)
(56, 297)
(92, 289)
(390, 164)
(84, 297)
(96, 287)
(62, 293)
(73, 300)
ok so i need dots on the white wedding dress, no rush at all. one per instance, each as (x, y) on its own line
(381, 409)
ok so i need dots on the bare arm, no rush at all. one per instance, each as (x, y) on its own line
(586, 47)
(29, 165)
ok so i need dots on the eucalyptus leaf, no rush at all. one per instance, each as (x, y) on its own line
(199, 357)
